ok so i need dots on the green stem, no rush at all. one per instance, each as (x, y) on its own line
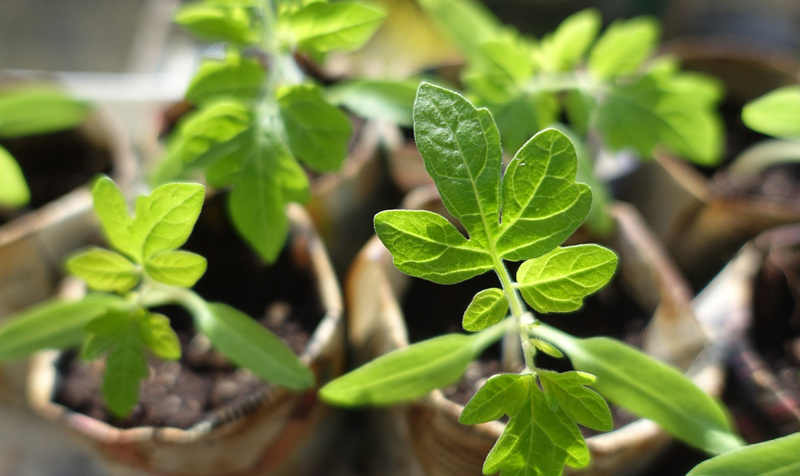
(559, 82)
(511, 353)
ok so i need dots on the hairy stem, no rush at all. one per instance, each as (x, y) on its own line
(512, 358)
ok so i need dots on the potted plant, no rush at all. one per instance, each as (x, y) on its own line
(541, 206)
(260, 121)
(266, 427)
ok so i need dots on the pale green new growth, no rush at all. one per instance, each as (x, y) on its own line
(147, 271)
(776, 114)
(524, 214)
(14, 190)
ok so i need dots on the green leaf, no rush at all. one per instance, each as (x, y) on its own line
(776, 457)
(664, 111)
(579, 106)
(776, 113)
(104, 332)
(323, 27)
(537, 440)
(165, 218)
(39, 109)
(502, 69)
(460, 146)
(14, 190)
(623, 47)
(524, 116)
(426, 245)
(211, 133)
(545, 347)
(649, 389)
(234, 77)
(583, 405)
(104, 270)
(318, 132)
(466, 23)
(176, 268)
(53, 324)
(112, 210)
(384, 99)
(488, 307)
(257, 203)
(218, 23)
(501, 394)
(126, 366)
(542, 204)
(566, 46)
(158, 335)
(409, 373)
(561, 279)
(252, 346)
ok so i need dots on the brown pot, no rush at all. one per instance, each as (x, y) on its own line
(425, 435)
(274, 431)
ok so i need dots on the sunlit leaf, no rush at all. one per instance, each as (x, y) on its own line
(487, 308)
(14, 190)
(104, 270)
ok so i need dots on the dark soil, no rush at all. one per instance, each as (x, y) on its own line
(282, 297)
(55, 164)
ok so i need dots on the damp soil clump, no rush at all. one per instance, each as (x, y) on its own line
(282, 297)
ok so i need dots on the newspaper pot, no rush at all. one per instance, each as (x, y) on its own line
(756, 317)
(342, 203)
(272, 431)
(34, 241)
(425, 437)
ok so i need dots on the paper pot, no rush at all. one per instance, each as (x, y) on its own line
(273, 431)
(425, 438)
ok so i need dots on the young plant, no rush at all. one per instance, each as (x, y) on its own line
(258, 117)
(145, 269)
(27, 111)
(524, 215)
(603, 85)
(775, 114)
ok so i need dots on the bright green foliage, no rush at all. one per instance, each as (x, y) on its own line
(321, 27)
(254, 125)
(234, 77)
(31, 110)
(14, 191)
(146, 270)
(776, 457)
(409, 373)
(488, 307)
(523, 214)
(635, 381)
(538, 438)
(559, 280)
(775, 114)
(605, 85)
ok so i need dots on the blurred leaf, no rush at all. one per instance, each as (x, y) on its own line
(126, 366)
(176, 268)
(466, 23)
(215, 22)
(623, 47)
(253, 347)
(776, 113)
(104, 270)
(234, 77)
(376, 99)
(14, 190)
(157, 334)
(318, 133)
(52, 324)
(321, 27)
(776, 457)
(562, 49)
(30, 110)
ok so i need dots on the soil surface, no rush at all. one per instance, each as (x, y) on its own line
(55, 164)
(281, 297)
